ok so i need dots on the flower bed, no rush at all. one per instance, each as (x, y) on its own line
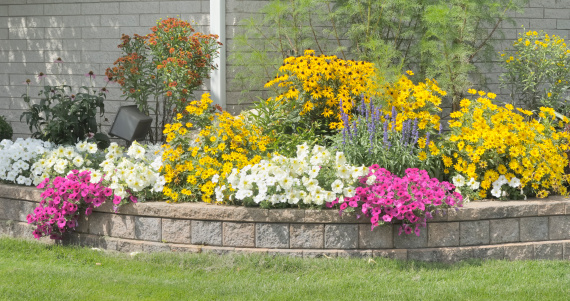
(532, 229)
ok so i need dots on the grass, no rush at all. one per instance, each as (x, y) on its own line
(34, 271)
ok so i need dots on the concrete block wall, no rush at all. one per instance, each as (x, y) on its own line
(85, 33)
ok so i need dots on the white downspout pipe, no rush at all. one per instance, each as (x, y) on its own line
(218, 27)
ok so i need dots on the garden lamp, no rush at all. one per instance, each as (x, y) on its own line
(130, 124)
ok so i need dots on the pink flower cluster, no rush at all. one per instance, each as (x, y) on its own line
(62, 201)
(385, 197)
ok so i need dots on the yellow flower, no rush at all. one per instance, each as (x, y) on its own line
(422, 155)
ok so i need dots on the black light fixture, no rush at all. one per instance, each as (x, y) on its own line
(130, 124)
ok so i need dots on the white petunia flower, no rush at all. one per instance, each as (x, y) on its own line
(514, 182)
(458, 180)
(474, 185)
(337, 186)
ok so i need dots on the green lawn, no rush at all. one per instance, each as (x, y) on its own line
(33, 271)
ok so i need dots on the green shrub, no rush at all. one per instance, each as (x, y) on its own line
(538, 70)
(5, 129)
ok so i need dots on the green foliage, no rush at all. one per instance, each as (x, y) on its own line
(283, 28)
(538, 71)
(375, 139)
(65, 118)
(5, 129)
(438, 39)
(282, 122)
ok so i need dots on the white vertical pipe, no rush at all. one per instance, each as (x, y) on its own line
(218, 27)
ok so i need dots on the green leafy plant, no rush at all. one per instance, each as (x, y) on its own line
(164, 67)
(62, 117)
(283, 124)
(282, 29)
(537, 71)
(439, 39)
(6, 130)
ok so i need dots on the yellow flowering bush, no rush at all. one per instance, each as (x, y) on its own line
(317, 84)
(414, 102)
(196, 165)
(537, 71)
(491, 145)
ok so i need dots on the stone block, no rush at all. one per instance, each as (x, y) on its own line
(504, 230)
(519, 252)
(354, 253)
(559, 227)
(560, 13)
(537, 13)
(316, 253)
(119, 20)
(251, 250)
(341, 236)
(452, 255)
(330, 216)
(563, 24)
(443, 234)
(154, 247)
(489, 252)
(128, 246)
(430, 255)
(180, 7)
(25, 34)
(401, 254)
(307, 236)
(206, 233)
(137, 8)
(9, 209)
(544, 24)
(272, 235)
(62, 9)
(82, 224)
(239, 234)
(379, 238)
(410, 241)
(25, 10)
(474, 233)
(185, 248)
(99, 8)
(148, 228)
(440, 215)
(217, 250)
(286, 215)
(285, 252)
(176, 230)
(47, 21)
(463, 214)
(548, 251)
(534, 228)
(554, 208)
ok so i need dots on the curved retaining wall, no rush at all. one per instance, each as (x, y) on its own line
(534, 229)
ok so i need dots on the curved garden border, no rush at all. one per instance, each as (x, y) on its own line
(534, 229)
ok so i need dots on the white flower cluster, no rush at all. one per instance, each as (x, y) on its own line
(459, 181)
(136, 172)
(17, 159)
(61, 160)
(313, 177)
(502, 180)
